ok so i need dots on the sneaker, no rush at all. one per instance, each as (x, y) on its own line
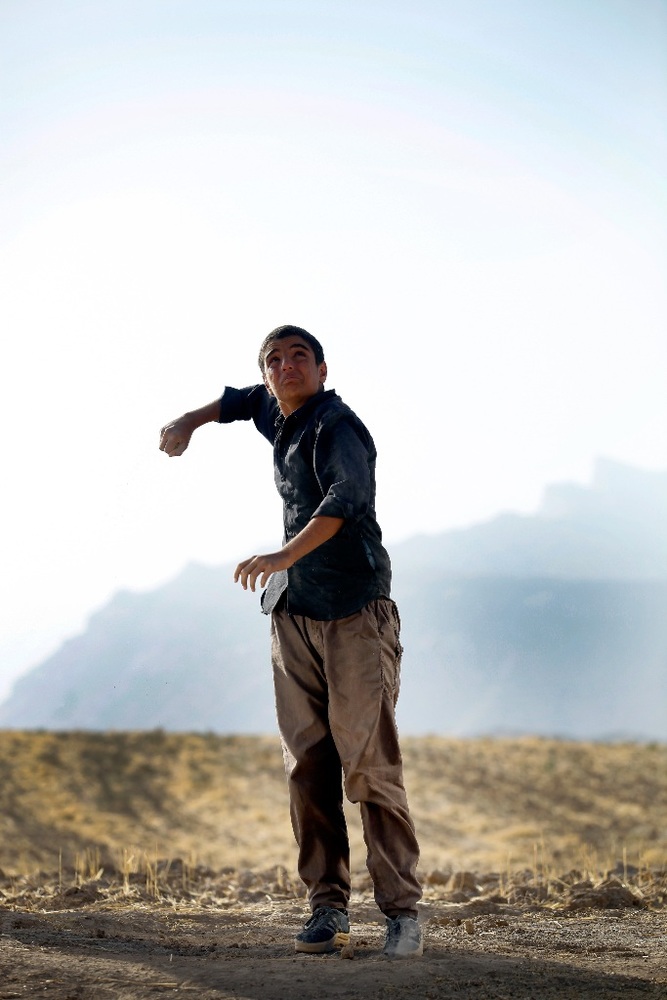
(404, 938)
(326, 930)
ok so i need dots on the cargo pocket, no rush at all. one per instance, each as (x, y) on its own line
(389, 625)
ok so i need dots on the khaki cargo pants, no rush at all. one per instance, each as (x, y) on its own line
(336, 686)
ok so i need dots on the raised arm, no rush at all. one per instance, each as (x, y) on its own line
(175, 436)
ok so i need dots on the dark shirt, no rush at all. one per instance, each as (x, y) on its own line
(324, 464)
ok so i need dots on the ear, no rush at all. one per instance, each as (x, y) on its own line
(266, 383)
(323, 372)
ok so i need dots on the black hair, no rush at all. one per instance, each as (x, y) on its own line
(281, 332)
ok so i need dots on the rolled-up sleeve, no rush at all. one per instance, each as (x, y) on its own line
(343, 458)
(251, 403)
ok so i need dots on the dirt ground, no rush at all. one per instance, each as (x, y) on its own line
(229, 936)
(544, 866)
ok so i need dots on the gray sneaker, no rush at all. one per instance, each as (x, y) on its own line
(326, 930)
(404, 938)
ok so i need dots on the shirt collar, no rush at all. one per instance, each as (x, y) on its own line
(307, 407)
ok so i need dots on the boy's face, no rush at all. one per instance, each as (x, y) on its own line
(291, 373)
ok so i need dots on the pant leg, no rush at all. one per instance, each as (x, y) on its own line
(362, 657)
(312, 764)
(336, 689)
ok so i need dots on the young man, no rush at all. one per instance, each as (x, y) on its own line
(335, 639)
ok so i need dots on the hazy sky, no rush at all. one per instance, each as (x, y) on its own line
(464, 201)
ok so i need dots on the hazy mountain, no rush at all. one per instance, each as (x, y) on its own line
(615, 529)
(550, 624)
(188, 655)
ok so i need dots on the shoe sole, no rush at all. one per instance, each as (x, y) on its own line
(339, 940)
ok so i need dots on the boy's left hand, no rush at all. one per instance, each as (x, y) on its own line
(316, 532)
(260, 567)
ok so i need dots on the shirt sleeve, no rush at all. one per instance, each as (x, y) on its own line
(252, 403)
(344, 456)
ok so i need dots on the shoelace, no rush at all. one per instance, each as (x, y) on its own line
(326, 918)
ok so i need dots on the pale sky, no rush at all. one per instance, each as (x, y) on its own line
(464, 201)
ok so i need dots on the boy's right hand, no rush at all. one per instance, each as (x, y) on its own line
(175, 437)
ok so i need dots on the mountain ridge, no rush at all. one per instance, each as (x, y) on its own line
(551, 624)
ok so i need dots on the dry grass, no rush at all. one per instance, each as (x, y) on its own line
(512, 802)
(124, 802)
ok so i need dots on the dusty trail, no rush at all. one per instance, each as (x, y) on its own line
(110, 939)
